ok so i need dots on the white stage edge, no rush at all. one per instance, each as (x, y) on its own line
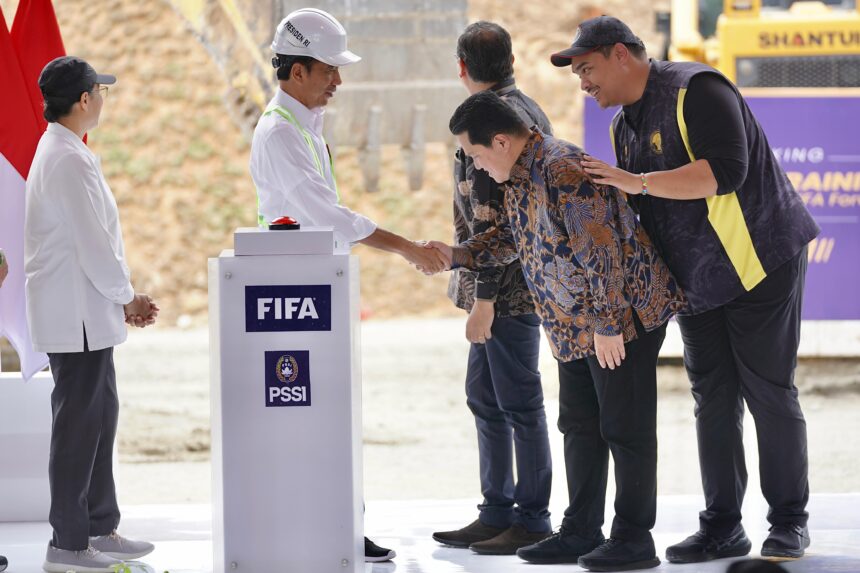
(183, 537)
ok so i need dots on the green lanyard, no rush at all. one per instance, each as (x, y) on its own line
(285, 113)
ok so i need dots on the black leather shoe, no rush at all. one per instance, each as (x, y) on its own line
(621, 555)
(702, 546)
(561, 547)
(3, 563)
(507, 542)
(475, 532)
(786, 541)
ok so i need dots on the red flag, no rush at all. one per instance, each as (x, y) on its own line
(37, 40)
(19, 130)
(19, 136)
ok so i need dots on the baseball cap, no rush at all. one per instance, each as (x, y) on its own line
(69, 76)
(593, 34)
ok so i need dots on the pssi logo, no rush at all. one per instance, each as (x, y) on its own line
(288, 380)
(287, 308)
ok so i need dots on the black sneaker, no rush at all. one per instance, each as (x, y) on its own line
(701, 546)
(561, 547)
(3, 563)
(786, 541)
(475, 532)
(373, 553)
(621, 555)
(507, 542)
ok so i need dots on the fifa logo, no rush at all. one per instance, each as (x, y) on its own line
(287, 308)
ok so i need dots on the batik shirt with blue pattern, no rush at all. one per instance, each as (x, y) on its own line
(586, 259)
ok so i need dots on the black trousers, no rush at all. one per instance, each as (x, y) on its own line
(603, 411)
(746, 351)
(503, 391)
(80, 470)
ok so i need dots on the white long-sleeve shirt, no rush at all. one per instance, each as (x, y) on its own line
(73, 251)
(287, 178)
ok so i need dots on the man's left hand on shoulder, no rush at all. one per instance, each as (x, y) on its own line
(604, 174)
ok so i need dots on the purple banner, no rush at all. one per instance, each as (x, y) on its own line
(815, 141)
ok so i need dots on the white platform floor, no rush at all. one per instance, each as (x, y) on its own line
(182, 534)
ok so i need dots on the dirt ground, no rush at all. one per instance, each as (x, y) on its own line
(419, 438)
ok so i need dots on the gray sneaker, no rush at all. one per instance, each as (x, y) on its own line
(90, 560)
(118, 547)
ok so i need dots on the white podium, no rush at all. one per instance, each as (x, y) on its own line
(25, 444)
(286, 405)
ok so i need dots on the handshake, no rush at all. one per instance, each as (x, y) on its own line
(430, 257)
(141, 311)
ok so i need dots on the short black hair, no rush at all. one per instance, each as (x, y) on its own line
(636, 50)
(483, 116)
(486, 50)
(285, 64)
(56, 107)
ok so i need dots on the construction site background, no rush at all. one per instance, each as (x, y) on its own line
(175, 151)
(174, 145)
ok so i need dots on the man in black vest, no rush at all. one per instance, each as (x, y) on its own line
(734, 232)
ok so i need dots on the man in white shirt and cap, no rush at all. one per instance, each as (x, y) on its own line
(290, 161)
(79, 298)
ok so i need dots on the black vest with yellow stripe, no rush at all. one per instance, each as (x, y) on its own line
(719, 247)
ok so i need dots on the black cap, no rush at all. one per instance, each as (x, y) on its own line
(69, 76)
(596, 33)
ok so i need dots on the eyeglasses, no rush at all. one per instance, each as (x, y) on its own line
(103, 91)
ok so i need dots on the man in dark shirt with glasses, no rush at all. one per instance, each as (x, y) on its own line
(503, 385)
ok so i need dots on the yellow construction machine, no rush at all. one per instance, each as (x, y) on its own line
(768, 43)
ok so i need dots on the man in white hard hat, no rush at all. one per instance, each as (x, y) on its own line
(290, 161)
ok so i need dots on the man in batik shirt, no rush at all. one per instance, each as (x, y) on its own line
(604, 297)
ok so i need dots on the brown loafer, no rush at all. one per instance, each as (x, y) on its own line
(466, 536)
(507, 542)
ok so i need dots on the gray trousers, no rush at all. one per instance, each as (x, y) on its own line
(80, 470)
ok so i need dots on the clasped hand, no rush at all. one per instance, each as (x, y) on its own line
(141, 311)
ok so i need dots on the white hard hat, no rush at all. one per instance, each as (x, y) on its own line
(314, 33)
